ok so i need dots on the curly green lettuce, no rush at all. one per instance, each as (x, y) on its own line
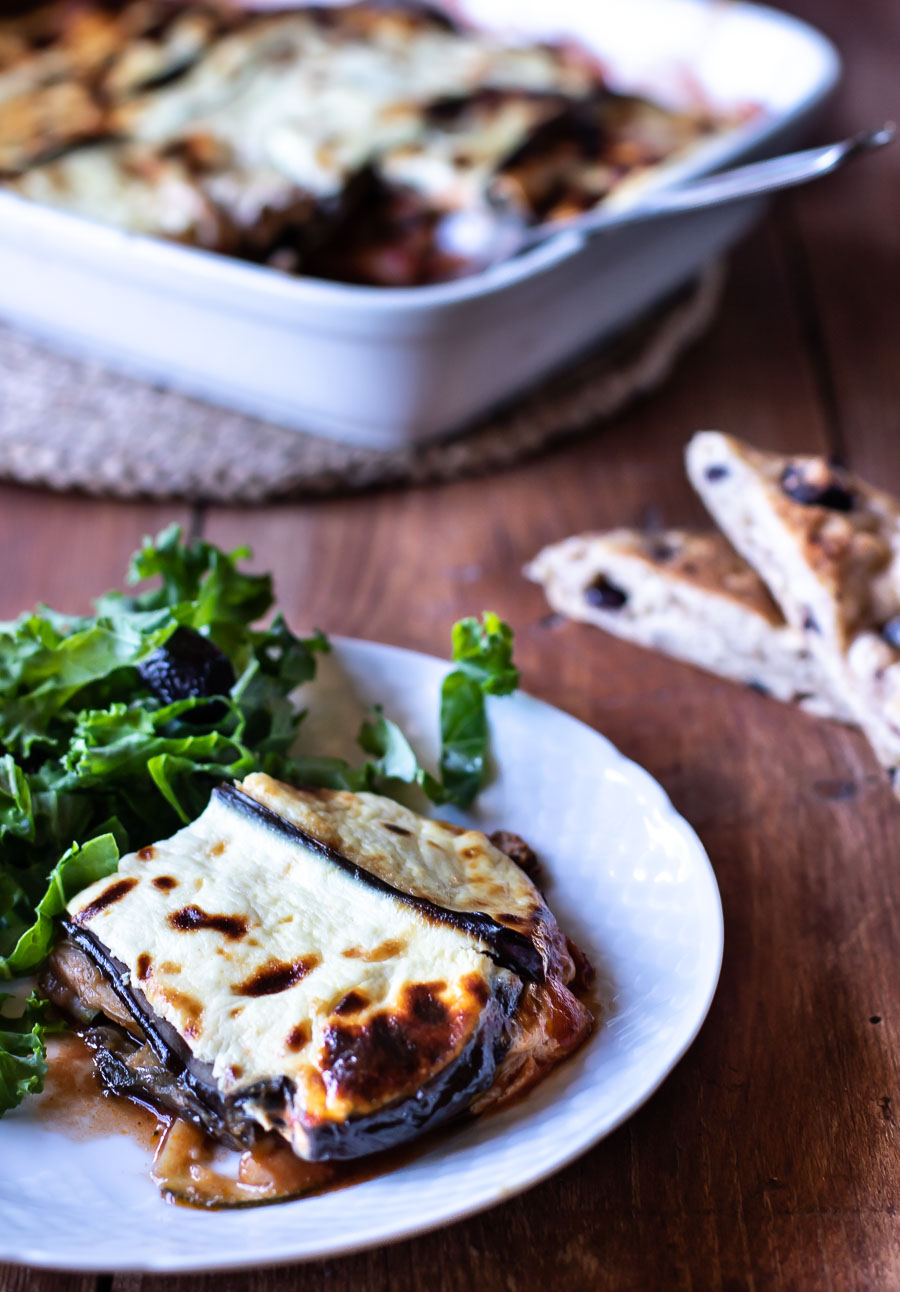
(90, 753)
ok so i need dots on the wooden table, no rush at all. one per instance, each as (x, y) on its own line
(769, 1159)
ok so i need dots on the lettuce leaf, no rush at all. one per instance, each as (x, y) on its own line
(23, 1062)
(483, 653)
(83, 740)
(76, 869)
(89, 752)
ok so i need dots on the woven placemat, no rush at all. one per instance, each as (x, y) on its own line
(72, 425)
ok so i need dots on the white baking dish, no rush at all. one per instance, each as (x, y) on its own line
(384, 366)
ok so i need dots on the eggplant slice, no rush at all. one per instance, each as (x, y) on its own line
(330, 966)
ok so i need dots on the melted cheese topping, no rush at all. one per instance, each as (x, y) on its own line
(458, 869)
(161, 198)
(272, 136)
(318, 103)
(285, 103)
(255, 948)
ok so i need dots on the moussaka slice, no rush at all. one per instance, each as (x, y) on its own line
(330, 966)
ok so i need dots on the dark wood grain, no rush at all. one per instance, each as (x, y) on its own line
(27, 1280)
(848, 245)
(65, 550)
(769, 1159)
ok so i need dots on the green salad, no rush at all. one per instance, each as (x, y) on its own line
(115, 727)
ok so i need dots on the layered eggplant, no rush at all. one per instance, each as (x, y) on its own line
(327, 966)
(323, 140)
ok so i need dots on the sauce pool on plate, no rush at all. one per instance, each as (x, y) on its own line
(188, 1166)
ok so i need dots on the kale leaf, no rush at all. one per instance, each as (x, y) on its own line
(23, 1061)
(95, 762)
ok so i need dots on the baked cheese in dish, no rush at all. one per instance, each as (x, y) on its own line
(324, 140)
(329, 966)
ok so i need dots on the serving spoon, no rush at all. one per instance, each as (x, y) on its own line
(491, 234)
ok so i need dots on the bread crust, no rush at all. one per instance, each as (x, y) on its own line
(828, 546)
(691, 596)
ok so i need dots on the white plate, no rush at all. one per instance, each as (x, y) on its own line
(629, 880)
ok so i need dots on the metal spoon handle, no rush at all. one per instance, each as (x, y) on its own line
(758, 178)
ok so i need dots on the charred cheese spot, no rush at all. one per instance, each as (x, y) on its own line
(391, 1052)
(298, 1037)
(144, 963)
(165, 883)
(353, 1003)
(384, 951)
(397, 829)
(190, 919)
(477, 988)
(313, 1081)
(107, 898)
(276, 976)
(190, 1010)
(146, 854)
(410, 1002)
(449, 828)
(217, 849)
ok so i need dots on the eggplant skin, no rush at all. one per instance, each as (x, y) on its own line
(509, 947)
(125, 1067)
(443, 1098)
(361, 1060)
(331, 967)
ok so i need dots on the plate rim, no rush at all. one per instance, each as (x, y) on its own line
(506, 1192)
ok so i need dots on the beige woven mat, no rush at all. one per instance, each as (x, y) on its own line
(73, 425)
